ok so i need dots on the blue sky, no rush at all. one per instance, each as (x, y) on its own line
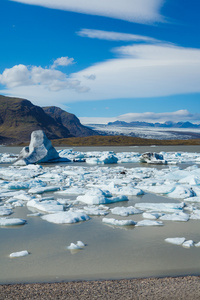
(104, 60)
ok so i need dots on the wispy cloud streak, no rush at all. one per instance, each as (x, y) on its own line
(139, 11)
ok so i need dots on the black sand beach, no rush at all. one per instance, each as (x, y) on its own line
(151, 288)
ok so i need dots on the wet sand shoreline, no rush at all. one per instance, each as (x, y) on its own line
(187, 287)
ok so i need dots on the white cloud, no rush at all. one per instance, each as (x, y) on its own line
(62, 61)
(140, 11)
(113, 36)
(15, 76)
(151, 117)
(49, 78)
(139, 71)
(144, 71)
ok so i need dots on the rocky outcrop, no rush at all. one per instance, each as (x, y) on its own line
(40, 150)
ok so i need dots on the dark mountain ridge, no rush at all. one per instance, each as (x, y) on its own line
(19, 117)
(68, 120)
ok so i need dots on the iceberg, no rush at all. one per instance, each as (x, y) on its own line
(125, 211)
(5, 211)
(41, 190)
(47, 206)
(160, 207)
(95, 211)
(66, 217)
(115, 222)
(78, 246)
(188, 244)
(148, 223)
(152, 158)
(19, 254)
(181, 192)
(11, 222)
(98, 196)
(181, 217)
(40, 150)
(176, 240)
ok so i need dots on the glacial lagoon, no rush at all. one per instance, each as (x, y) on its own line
(165, 198)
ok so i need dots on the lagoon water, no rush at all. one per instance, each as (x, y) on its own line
(110, 251)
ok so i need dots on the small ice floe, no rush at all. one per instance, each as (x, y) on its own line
(195, 215)
(34, 215)
(152, 158)
(78, 246)
(11, 221)
(14, 185)
(197, 244)
(67, 217)
(176, 240)
(95, 211)
(41, 190)
(149, 223)
(108, 158)
(160, 207)
(188, 244)
(98, 196)
(151, 216)
(159, 189)
(181, 192)
(125, 211)
(19, 254)
(129, 191)
(48, 206)
(72, 191)
(191, 180)
(5, 211)
(115, 222)
(192, 199)
(180, 216)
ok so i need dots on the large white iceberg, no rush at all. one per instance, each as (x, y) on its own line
(40, 150)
